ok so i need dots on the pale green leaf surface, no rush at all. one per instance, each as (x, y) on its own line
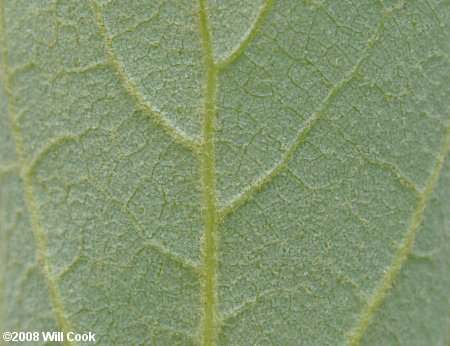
(226, 172)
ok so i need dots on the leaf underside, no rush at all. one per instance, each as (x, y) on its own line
(226, 172)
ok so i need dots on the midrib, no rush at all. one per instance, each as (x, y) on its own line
(209, 322)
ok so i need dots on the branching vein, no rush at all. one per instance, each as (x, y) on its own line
(9, 169)
(210, 323)
(310, 124)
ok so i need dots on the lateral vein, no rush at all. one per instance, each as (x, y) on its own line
(248, 193)
(370, 310)
(251, 34)
(39, 234)
(176, 134)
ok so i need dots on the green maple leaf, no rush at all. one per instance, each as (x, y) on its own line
(226, 172)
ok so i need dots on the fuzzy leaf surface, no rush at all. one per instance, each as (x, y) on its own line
(226, 172)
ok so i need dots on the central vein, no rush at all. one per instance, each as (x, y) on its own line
(209, 186)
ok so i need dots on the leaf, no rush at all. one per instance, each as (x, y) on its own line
(226, 172)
